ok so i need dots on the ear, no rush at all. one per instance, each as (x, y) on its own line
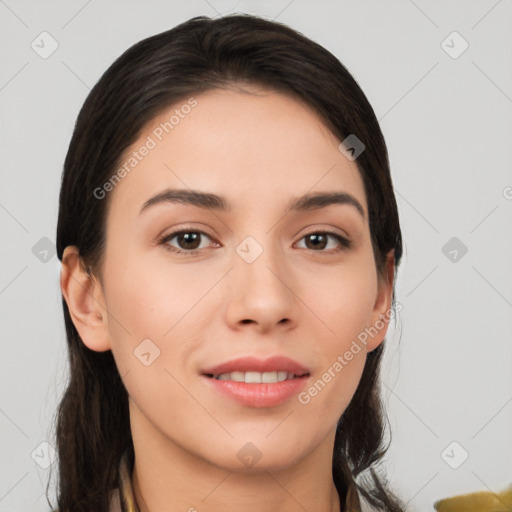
(382, 309)
(85, 300)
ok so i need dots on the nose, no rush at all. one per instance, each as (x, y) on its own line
(260, 292)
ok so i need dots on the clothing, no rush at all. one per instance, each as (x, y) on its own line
(123, 499)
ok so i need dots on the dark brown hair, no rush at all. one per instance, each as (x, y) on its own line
(92, 423)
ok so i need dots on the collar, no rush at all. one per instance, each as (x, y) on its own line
(127, 501)
(126, 495)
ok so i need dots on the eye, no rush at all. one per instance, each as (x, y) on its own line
(189, 240)
(319, 240)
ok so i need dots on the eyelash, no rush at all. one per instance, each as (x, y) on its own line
(344, 242)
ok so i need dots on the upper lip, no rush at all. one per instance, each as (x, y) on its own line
(254, 364)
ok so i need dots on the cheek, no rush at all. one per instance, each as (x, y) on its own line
(329, 394)
(343, 303)
(342, 299)
(153, 334)
(150, 299)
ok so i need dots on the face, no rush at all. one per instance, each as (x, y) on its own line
(190, 286)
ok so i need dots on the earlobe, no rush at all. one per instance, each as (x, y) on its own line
(382, 310)
(84, 297)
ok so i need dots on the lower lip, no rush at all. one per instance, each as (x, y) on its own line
(259, 395)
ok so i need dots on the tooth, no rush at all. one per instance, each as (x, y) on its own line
(252, 377)
(257, 377)
(269, 377)
(238, 376)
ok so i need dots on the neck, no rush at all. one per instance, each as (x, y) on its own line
(231, 493)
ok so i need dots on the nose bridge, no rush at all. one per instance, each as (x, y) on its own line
(259, 258)
(259, 292)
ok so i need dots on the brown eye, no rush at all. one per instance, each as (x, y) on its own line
(187, 241)
(318, 241)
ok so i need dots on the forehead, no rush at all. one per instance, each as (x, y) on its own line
(244, 144)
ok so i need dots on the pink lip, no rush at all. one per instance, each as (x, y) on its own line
(258, 395)
(253, 364)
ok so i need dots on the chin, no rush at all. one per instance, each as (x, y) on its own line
(253, 454)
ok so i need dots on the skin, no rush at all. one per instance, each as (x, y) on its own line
(259, 149)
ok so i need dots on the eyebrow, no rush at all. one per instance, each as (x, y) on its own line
(312, 201)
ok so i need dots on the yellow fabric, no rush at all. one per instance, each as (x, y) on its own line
(483, 501)
(126, 498)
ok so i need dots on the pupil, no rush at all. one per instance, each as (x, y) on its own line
(316, 238)
(188, 238)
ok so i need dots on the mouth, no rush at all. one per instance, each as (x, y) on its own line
(251, 369)
(257, 383)
(252, 377)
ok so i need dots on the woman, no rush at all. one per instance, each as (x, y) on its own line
(229, 240)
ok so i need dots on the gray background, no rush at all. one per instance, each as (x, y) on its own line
(448, 125)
